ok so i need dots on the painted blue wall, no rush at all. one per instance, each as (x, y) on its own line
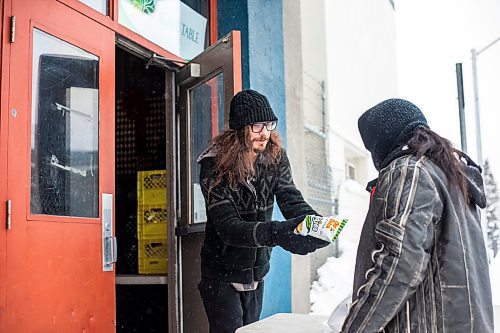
(261, 26)
(233, 15)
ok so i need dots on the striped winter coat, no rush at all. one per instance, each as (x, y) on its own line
(421, 264)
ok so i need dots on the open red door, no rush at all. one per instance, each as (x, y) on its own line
(3, 171)
(206, 86)
(60, 171)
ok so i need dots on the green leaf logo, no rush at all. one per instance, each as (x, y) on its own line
(146, 6)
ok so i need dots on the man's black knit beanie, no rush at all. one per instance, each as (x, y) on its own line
(388, 125)
(249, 107)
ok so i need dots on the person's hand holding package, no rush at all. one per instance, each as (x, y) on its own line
(327, 228)
(282, 233)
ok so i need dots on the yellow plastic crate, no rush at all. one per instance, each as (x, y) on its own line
(152, 187)
(152, 221)
(153, 256)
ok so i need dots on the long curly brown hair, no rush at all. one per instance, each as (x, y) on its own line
(234, 162)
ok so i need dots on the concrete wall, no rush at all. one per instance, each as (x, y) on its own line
(305, 76)
(313, 49)
(292, 35)
(315, 109)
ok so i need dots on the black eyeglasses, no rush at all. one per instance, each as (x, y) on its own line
(258, 127)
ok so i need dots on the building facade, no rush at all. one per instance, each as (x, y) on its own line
(105, 106)
(340, 59)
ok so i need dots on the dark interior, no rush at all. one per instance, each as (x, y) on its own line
(140, 145)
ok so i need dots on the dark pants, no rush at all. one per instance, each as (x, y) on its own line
(228, 309)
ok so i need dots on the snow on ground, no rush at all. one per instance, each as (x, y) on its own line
(333, 285)
(335, 278)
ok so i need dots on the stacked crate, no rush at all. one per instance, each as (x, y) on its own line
(152, 221)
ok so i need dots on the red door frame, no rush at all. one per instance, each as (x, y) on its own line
(54, 265)
(4, 66)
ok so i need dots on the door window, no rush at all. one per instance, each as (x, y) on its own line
(206, 87)
(100, 5)
(64, 129)
(207, 119)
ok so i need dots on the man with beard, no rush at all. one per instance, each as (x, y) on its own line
(241, 173)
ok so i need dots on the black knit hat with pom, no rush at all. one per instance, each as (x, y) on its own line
(389, 125)
(249, 107)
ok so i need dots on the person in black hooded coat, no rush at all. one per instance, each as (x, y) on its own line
(421, 264)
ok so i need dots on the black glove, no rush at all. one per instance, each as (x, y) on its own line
(281, 233)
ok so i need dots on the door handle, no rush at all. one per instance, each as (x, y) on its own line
(110, 252)
(109, 245)
(114, 249)
(8, 223)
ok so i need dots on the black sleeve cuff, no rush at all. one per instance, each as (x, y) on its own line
(263, 234)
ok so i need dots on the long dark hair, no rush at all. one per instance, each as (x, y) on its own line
(440, 151)
(233, 161)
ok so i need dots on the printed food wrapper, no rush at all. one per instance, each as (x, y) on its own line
(326, 228)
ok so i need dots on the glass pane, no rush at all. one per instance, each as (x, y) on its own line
(64, 129)
(206, 102)
(100, 5)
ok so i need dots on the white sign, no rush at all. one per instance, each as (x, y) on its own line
(170, 24)
(199, 211)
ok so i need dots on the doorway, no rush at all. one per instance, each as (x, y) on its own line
(159, 228)
(143, 105)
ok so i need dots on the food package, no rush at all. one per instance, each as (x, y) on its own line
(326, 228)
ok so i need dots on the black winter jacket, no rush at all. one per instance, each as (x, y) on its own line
(230, 251)
(422, 264)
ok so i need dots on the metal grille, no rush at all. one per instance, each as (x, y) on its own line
(126, 231)
(319, 176)
(140, 145)
(140, 137)
(323, 182)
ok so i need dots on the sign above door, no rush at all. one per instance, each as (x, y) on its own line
(171, 24)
